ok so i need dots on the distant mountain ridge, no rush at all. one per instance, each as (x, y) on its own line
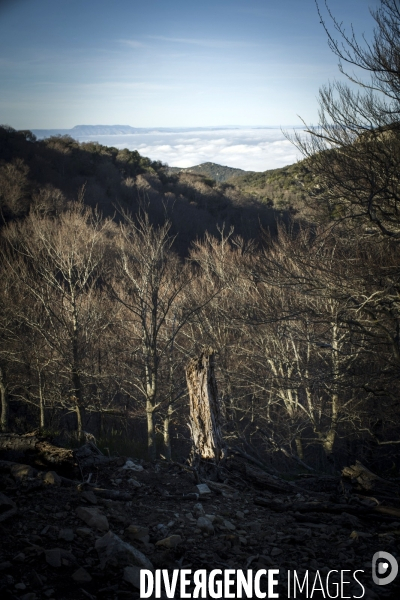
(219, 173)
(91, 130)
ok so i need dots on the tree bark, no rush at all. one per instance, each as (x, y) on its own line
(205, 411)
(167, 436)
(39, 449)
(151, 431)
(4, 403)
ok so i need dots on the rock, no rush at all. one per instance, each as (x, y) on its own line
(8, 508)
(229, 525)
(135, 532)
(20, 586)
(66, 534)
(93, 518)
(131, 466)
(5, 566)
(203, 489)
(84, 532)
(50, 478)
(20, 472)
(170, 542)
(205, 525)
(112, 550)
(81, 576)
(276, 551)
(53, 557)
(198, 510)
(134, 483)
(29, 596)
(132, 576)
(89, 497)
(20, 557)
(56, 557)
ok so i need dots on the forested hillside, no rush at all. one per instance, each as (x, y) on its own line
(211, 170)
(115, 274)
(44, 175)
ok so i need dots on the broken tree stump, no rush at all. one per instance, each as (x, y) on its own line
(205, 409)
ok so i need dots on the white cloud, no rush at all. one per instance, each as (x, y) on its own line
(251, 149)
(207, 43)
(132, 43)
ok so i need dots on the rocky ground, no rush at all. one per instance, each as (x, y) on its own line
(66, 539)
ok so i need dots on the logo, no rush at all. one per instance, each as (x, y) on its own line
(384, 568)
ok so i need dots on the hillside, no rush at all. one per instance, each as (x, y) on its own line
(219, 173)
(287, 188)
(47, 174)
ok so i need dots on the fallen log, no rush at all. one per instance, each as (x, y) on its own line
(330, 508)
(40, 452)
(364, 480)
(268, 482)
(36, 449)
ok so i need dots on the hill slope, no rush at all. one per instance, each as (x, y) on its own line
(219, 173)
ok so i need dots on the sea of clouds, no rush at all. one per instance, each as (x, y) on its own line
(251, 149)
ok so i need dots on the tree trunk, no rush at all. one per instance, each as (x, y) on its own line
(167, 437)
(41, 405)
(205, 411)
(4, 403)
(299, 448)
(151, 431)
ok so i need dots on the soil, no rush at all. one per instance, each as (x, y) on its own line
(47, 550)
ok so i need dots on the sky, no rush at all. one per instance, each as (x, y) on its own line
(166, 63)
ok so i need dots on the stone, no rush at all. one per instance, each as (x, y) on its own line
(132, 576)
(276, 551)
(20, 472)
(29, 596)
(5, 566)
(81, 576)
(205, 525)
(53, 557)
(170, 542)
(131, 466)
(84, 532)
(67, 535)
(20, 557)
(198, 510)
(134, 483)
(112, 550)
(50, 478)
(135, 532)
(89, 497)
(229, 525)
(92, 517)
(56, 557)
(203, 489)
(8, 508)
(20, 586)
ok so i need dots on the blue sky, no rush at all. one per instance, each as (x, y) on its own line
(165, 63)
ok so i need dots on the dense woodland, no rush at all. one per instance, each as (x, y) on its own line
(116, 272)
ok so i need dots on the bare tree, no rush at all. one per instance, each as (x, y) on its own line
(151, 283)
(60, 262)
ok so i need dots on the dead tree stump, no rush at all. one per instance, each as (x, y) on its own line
(205, 409)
